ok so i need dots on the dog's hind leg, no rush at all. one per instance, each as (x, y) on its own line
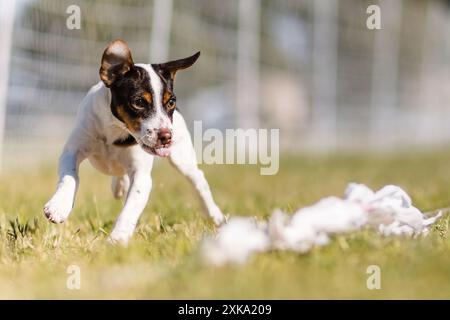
(182, 156)
(120, 186)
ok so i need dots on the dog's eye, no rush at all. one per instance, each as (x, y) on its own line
(172, 103)
(139, 103)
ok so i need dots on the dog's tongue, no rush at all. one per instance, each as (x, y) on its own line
(162, 152)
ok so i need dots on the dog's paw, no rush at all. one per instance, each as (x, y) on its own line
(217, 217)
(119, 237)
(57, 210)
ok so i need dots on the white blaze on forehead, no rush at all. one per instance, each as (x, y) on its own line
(159, 119)
(157, 86)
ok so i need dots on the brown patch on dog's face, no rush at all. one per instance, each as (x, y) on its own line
(132, 123)
(148, 97)
(169, 102)
(166, 96)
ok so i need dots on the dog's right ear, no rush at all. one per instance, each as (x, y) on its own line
(116, 61)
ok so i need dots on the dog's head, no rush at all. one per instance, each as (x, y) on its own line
(142, 96)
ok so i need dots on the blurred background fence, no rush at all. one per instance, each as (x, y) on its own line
(311, 68)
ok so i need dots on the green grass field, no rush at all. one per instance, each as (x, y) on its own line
(162, 260)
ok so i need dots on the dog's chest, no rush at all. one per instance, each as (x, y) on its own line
(109, 159)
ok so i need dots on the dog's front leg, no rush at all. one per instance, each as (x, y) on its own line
(184, 159)
(141, 184)
(58, 208)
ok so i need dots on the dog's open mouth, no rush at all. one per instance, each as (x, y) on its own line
(159, 150)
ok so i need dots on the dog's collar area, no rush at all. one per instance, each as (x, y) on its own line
(125, 142)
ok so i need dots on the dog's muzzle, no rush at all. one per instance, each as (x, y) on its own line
(163, 143)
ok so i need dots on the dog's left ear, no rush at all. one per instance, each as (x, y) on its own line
(169, 69)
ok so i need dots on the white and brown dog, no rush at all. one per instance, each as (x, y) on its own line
(124, 121)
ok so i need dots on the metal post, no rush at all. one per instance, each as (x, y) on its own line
(385, 74)
(161, 28)
(247, 91)
(6, 30)
(325, 61)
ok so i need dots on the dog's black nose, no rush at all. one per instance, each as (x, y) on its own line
(164, 135)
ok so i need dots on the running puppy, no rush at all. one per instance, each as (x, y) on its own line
(126, 120)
